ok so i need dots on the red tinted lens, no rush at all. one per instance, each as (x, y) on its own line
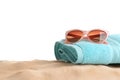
(74, 35)
(97, 35)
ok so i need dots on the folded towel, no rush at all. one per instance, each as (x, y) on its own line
(85, 52)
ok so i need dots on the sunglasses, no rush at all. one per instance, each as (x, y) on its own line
(96, 36)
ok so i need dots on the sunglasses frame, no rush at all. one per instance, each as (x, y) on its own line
(86, 37)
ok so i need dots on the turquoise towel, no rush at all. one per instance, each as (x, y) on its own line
(85, 52)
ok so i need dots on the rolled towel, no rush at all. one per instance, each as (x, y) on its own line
(85, 52)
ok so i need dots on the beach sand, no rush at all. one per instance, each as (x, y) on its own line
(55, 70)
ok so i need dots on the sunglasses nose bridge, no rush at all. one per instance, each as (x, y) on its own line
(85, 33)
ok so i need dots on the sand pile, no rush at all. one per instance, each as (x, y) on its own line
(54, 70)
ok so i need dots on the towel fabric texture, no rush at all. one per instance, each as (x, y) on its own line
(85, 52)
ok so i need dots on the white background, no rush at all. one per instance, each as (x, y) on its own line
(29, 28)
